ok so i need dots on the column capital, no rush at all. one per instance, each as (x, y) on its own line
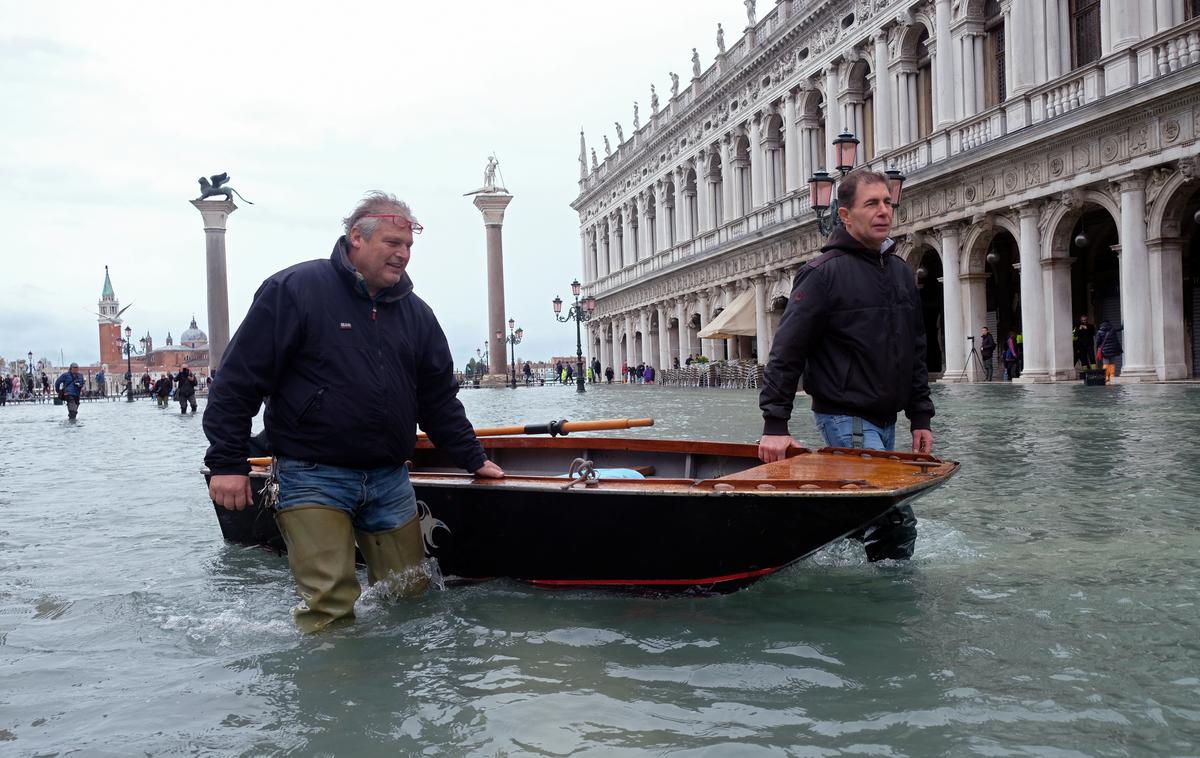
(1130, 181)
(215, 213)
(1028, 209)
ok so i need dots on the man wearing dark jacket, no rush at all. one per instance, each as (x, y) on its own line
(185, 389)
(987, 349)
(69, 386)
(352, 362)
(853, 328)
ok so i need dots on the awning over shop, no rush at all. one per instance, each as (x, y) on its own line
(737, 320)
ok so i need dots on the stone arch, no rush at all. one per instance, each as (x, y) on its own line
(1061, 220)
(975, 244)
(1165, 218)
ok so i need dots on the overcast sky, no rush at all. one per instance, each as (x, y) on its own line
(109, 113)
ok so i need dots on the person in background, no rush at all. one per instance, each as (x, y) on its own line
(185, 389)
(987, 348)
(69, 387)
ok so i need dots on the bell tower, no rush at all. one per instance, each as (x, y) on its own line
(110, 324)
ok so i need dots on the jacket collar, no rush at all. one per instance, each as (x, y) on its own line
(346, 271)
(843, 240)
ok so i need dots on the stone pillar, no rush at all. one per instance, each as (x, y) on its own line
(758, 163)
(662, 216)
(646, 354)
(1137, 340)
(1166, 308)
(614, 261)
(685, 337)
(702, 305)
(762, 338)
(974, 289)
(1056, 282)
(492, 205)
(793, 180)
(664, 337)
(883, 96)
(952, 318)
(681, 209)
(728, 179)
(1021, 52)
(832, 128)
(215, 214)
(1125, 16)
(904, 124)
(1053, 59)
(630, 356)
(944, 65)
(966, 93)
(703, 194)
(1033, 300)
(589, 275)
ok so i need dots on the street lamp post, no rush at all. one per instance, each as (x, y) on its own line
(579, 312)
(821, 185)
(130, 351)
(514, 338)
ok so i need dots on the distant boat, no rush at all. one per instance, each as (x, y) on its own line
(706, 516)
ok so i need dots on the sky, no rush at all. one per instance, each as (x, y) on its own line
(109, 113)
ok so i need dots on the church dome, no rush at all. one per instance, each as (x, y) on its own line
(192, 336)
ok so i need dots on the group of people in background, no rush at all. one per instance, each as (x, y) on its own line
(1093, 347)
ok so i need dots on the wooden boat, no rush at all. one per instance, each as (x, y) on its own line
(705, 516)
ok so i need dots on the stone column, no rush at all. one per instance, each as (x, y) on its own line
(832, 127)
(883, 96)
(1166, 308)
(630, 356)
(702, 305)
(1033, 300)
(792, 145)
(644, 327)
(492, 205)
(589, 275)
(1020, 53)
(662, 217)
(611, 248)
(215, 214)
(1135, 280)
(974, 289)
(944, 64)
(703, 194)
(664, 337)
(728, 179)
(681, 209)
(1056, 282)
(758, 163)
(952, 318)
(685, 337)
(966, 93)
(762, 338)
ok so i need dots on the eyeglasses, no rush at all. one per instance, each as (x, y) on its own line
(399, 221)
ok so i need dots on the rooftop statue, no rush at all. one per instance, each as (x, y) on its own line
(607, 148)
(751, 13)
(620, 133)
(653, 100)
(636, 122)
(214, 185)
(720, 40)
(594, 166)
(674, 84)
(695, 64)
(489, 173)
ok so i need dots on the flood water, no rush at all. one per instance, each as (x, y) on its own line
(1051, 608)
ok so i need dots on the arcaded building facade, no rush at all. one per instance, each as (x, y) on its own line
(1050, 149)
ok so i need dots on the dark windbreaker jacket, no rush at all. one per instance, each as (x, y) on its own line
(853, 328)
(347, 377)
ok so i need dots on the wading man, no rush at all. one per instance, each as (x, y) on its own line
(853, 329)
(69, 386)
(352, 362)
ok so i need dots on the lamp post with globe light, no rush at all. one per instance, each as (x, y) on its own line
(579, 312)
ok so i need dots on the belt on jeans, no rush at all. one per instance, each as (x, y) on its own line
(856, 433)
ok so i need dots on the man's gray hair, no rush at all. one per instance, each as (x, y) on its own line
(375, 202)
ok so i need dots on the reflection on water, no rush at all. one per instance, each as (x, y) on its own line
(1051, 608)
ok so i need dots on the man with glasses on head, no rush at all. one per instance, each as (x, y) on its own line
(352, 362)
(853, 328)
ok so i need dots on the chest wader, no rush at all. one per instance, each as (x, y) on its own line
(320, 543)
(892, 536)
(396, 557)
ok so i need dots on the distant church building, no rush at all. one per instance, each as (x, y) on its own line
(192, 348)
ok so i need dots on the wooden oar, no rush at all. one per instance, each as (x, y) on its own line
(553, 427)
(561, 427)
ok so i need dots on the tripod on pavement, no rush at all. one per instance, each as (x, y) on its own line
(973, 356)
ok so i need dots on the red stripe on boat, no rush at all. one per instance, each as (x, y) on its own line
(708, 580)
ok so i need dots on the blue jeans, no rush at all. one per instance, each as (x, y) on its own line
(838, 431)
(376, 499)
(894, 534)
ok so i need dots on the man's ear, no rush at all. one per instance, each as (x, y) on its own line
(843, 213)
(355, 238)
